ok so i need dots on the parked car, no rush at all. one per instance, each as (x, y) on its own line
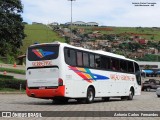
(150, 84)
(158, 92)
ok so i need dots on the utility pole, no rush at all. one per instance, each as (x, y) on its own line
(71, 22)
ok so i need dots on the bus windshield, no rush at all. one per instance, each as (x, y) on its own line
(43, 52)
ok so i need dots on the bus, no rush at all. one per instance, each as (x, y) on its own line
(60, 72)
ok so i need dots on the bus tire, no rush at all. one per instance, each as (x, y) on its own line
(131, 94)
(90, 95)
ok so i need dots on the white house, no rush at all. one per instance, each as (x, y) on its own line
(92, 24)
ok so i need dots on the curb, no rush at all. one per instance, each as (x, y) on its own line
(12, 92)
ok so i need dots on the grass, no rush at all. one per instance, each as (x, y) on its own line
(39, 34)
(13, 70)
(1, 61)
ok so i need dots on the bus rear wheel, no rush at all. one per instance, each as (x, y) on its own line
(90, 95)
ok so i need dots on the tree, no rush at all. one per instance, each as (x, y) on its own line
(11, 26)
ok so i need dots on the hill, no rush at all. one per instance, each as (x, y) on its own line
(149, 33)
(39, 33)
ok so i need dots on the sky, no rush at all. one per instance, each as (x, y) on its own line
(121, 13)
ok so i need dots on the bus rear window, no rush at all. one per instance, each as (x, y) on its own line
(43, 52)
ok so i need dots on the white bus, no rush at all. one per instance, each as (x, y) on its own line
(59, 71)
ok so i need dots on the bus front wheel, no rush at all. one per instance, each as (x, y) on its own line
(131, 93)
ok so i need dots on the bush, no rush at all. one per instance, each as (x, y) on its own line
(10, 59)
(6, 76)
(12, 83)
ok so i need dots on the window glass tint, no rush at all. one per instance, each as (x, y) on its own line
(123, 66)
(43, 52)
(115, 64)
(97, 61)
(105, 62)
(136, 67)
(79, 58)
(130, 67)
(85, 59)
(70, 56)
(91, 59)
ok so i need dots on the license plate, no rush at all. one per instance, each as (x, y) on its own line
(41, 87)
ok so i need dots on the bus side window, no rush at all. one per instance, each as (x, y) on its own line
(97, 61)
(115, 64)
(79, 59)
(91, 59)
(130, 67)
(123, 66)
(85, 59)
(105, 62)
(70, 57)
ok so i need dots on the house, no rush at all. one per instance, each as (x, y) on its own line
(36, 23)
(77, 23)
(54, 23)
(142, 41)
(81, 23)
(92, 24)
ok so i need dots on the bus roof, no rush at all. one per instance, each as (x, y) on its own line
(88, 50)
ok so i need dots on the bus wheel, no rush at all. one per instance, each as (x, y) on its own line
(90, 95)
(105, 99)
(130, 97)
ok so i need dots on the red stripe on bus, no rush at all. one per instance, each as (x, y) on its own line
(46, 93)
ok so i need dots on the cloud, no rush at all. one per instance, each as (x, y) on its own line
(105, 12)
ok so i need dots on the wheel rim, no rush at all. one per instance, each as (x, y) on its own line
(131, 94)
(90, 96)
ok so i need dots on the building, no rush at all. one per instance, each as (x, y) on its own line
(54, 23)
(92, 24)
(150, 65)
(36, 23)
(81, 23)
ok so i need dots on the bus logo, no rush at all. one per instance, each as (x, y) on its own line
(40, 53)
(86, 74)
